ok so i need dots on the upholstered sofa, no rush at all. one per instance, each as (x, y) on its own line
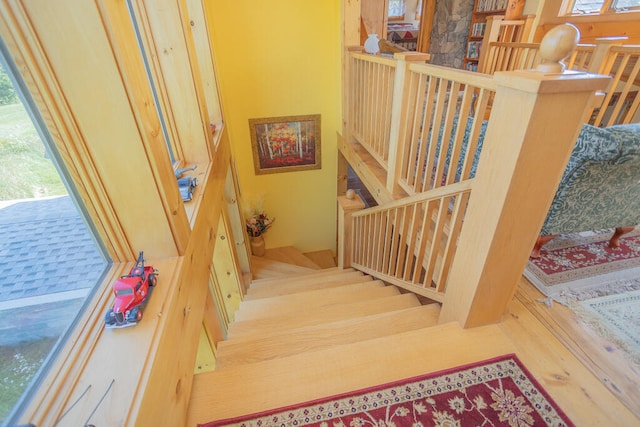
(600, 188)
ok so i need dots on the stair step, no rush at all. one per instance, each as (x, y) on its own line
(251, 350)
(304, 286)
(274, 325)
(311, 274)
(263, 267)
(300, 303)
(240, 390)
(290, 255)
(324, 259)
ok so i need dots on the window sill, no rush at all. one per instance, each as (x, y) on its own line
(105, 374)
(96, 362)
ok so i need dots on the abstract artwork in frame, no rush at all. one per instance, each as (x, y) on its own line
(285, 144)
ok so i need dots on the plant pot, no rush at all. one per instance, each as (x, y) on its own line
(257, 245)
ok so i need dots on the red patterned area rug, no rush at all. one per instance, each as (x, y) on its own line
(496, 392)
(582, 266)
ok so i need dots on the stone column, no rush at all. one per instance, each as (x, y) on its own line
(450, 32)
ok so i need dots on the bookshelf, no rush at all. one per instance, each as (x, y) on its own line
(481, 10)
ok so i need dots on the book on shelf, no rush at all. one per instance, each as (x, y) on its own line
(473, 49)
(472, 66)
(491, 5)
(477, 30)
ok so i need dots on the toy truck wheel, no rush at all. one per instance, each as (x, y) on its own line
(109, 318)
(135, 315)
(153, 279)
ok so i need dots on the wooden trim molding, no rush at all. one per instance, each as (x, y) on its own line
(594, 27)
(171, 52)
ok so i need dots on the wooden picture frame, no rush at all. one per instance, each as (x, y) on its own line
(285, 144)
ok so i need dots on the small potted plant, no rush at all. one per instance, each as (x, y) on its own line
(258, 224)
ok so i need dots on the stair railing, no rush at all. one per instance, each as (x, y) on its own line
(394, 104)
(411, 242)
(463, 237)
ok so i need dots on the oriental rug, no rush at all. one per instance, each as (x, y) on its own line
(496, 392)
(582, 266)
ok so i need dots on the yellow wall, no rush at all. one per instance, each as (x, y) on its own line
(282, 58)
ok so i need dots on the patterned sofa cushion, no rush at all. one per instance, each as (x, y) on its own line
(600, 187)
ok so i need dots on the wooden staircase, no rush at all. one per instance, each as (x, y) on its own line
(298, 311)
(316, 333)
(293, 308)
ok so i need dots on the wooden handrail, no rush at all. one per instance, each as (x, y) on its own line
(436, 193)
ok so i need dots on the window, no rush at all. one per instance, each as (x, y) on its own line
(586, 7)
(153, 86)
(122, 170)
(49, 260)
(396, 10)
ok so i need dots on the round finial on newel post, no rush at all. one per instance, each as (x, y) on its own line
(556, 45)
(351, 194)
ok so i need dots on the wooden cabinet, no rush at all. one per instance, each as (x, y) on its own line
(481, 10)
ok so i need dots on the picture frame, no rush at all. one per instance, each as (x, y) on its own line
(286, 144)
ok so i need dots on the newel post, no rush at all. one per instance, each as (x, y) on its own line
(400, 88)
(598, 62)
(347, 91)
(536, 118)
(347, 205)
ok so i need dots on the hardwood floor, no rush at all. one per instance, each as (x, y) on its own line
(600, 357)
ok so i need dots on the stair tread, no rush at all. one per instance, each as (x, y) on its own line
(300, 303)
(290, 255)
(310, 338)
(263, 327)
(324, 258)
(335, 331)
(304, 286)
(263, 268)
(239, 390)
(269, 281)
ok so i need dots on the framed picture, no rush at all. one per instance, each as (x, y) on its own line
(285, 144)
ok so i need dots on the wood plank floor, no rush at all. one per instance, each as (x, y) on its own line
(601, 357)
(581, 394)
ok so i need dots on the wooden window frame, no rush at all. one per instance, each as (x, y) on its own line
(607, 9)
(397, 17)
(104, 124)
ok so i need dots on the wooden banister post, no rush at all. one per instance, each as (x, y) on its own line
(347, 95)
(525, 31)
(598, 62)
(491, 33)
(397, 114)
(524, 155)
(347, 205)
